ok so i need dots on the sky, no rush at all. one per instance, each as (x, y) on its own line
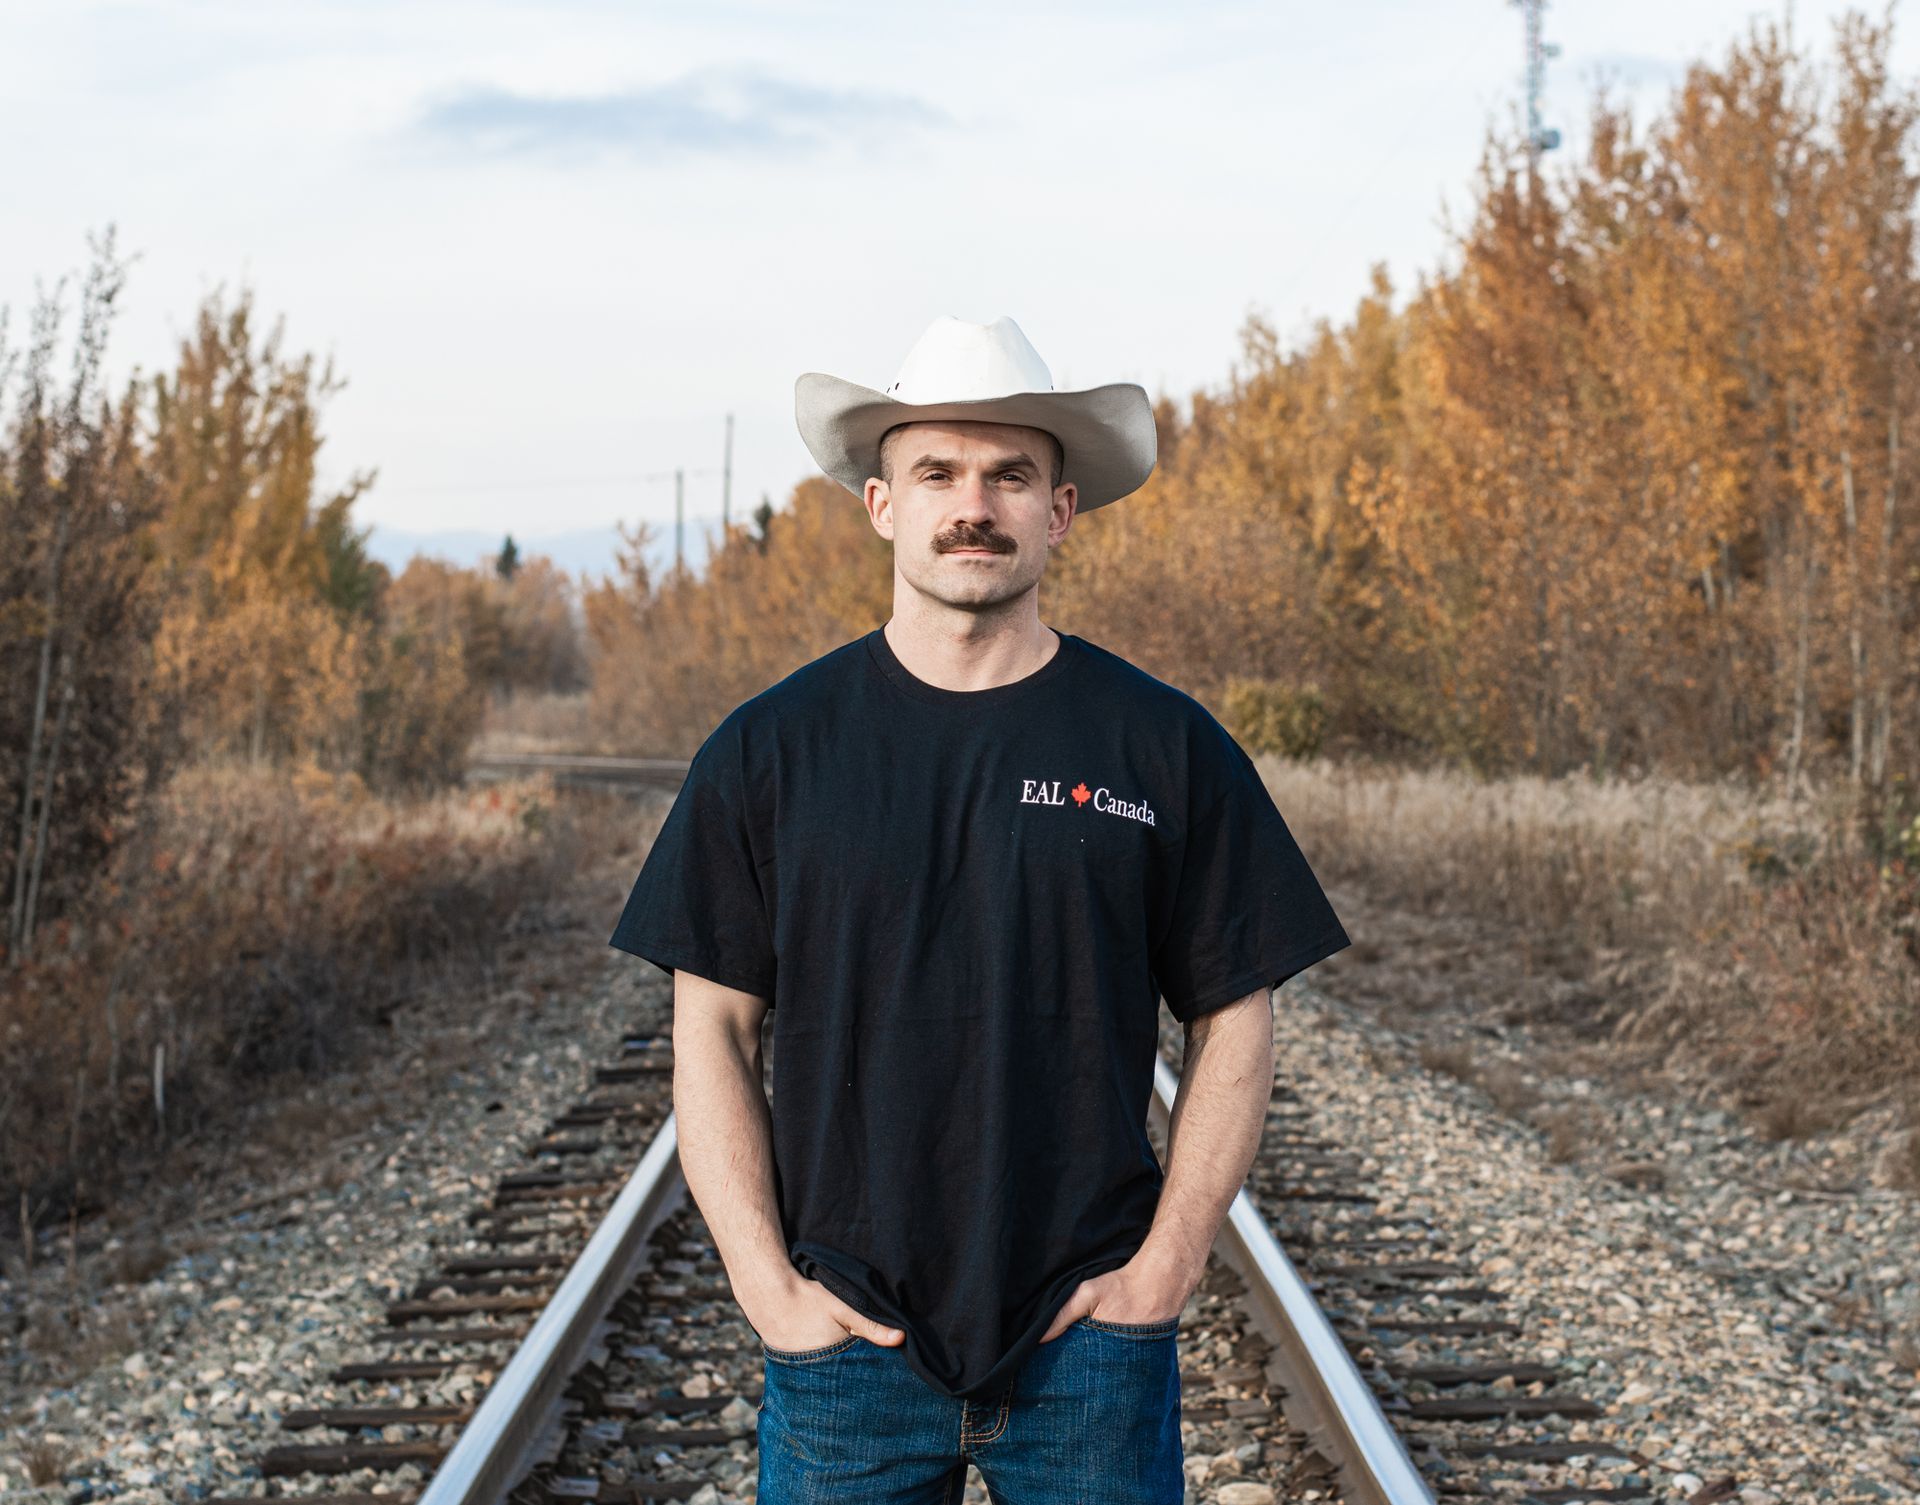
(551, 247)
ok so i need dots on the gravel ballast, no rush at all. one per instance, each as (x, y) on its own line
(1734, 1327)
(1745, 1309)
(275, 1279)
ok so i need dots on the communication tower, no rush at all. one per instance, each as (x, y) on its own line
(1539, 138)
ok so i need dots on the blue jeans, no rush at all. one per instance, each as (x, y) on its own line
(1091, 1418)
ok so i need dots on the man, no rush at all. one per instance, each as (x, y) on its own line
(961, 859)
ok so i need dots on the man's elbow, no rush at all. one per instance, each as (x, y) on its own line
(1249, 1014)
(1240, 1032)
(709, 1017)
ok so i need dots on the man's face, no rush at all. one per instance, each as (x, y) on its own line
(971, 509)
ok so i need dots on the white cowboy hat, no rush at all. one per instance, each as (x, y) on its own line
(984, 373)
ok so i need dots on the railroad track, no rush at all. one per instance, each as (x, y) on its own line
(581, 770)
(1332, 1352)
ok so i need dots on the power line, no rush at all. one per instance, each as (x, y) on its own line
(555, 483)
(678, 475)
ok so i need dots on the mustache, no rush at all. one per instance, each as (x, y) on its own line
(967, 536)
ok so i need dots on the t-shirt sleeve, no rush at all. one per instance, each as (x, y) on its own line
(699, 902)
(1247, 910)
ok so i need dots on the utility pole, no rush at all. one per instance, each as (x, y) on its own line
(726, 481)
(679, 514)
(1539, 138)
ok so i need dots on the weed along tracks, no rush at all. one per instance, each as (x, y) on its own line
(579, 1342)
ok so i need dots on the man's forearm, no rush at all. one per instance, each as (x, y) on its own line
(1214, 1133)
(726, 1154)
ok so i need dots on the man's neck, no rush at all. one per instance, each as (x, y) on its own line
(956, 650)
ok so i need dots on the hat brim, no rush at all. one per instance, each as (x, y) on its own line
(1106, 433)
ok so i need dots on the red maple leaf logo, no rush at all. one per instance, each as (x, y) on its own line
(1081, 794)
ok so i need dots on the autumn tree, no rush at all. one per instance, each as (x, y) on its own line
(541, 646)
(670, 657)
(77, 507)
(256, 655)
(1621, 487)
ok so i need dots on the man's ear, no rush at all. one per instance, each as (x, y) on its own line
(1068, 495)
(878, 498)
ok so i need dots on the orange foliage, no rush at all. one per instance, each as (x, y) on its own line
(1625, 487)
(670, 659)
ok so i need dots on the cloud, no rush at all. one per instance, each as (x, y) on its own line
(713, 111)
(1632, 68)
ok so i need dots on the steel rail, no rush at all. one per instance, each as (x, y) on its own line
(578, 770)
(1326, 1397)
(584, 761)
(495, 1448)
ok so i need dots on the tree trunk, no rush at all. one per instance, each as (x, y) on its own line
(112, 1010)
(46, 801)
(1856, 646)
(1889, 622)
(1796, 746)
(22, 856)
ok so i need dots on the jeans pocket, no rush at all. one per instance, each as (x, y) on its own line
(808, 1355)
(1162, 1329)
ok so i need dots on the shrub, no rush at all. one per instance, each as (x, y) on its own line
(1267, 716)
(249, 930)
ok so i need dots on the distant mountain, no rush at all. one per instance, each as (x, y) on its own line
(589, 550)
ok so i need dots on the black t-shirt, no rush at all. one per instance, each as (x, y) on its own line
(964, 907)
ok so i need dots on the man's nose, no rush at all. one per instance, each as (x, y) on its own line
(973, 499)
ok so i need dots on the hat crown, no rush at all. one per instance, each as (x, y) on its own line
(957, 361)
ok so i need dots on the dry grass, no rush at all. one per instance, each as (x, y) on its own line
(1571, 1132)
(1758, 935)
(1505, 1084)
(536, 721)
(1509, 1088)
(302, 1120)
(1577, 864)
(46, 1461)
(68, 1341)
(1453, 1059)
(1641, 1175)
(137, 1262)
(1906, 1162)
(253, 936)
(1795, 1115)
